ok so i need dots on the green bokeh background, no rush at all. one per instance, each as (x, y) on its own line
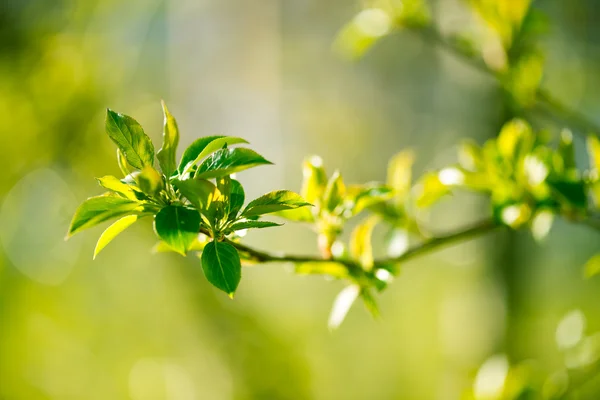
(132, 325)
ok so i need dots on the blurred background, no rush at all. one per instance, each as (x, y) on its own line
(132, 325)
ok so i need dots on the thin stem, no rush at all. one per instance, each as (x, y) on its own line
(546, 101)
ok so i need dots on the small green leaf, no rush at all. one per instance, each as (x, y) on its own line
(399, 173)
(334, 192)
(278, 200)
(129, 136)
(592, 267)
(330, 268)
(200, 192)
(222, 267)
(252, 224)
(370, 302)
(150, 181)
(342, 304)
(115, 185)
(515, 139)
(360, 242)
(314, 179)
(360, 197)
(200, 148)
(429, 190)
(593, 148)
(236, 199)
(96, 210)
(228, 161)
(177, 226)
(112, 231)
(122, 161)
(168, 152)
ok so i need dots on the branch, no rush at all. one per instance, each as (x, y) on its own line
(427, 246)
(546, 101)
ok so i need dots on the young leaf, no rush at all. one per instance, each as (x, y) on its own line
(115, 185)
(228, 161)
(236, 199)
(112, 231)
(334, 192)
(515, 139)
(592, 267)
(177, 226)
(341, 305)
(200, 149)
(168, 152)
(129, 136)
(199, 192)
(222, 267)
(122, 161)
(363, 196)
(96, 210)
(252, 224)
(278, 200)
(430, 189)
(150, 181)
(593, 148)
(399, 173)
(370, 302)
(314, 179)
(360, 243)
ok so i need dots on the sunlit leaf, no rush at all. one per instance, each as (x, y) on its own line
(204, 146)
(360, 242)
(592, 266)
(399, 173)
(516, 138)
(303, 214)
(228, 161)
(168, 152)
(150, 181)
(96, 210)
(122, 161)
(429, 190)
(593, 148)
(341, 305)
(314, 179)
(541, 224)
(252, 224)
(113, 231)
(359, 197)
(197, 245)
(115, 185)
(236, 199)
(129, 136)
(200, 192)
(470, 156)
(177, 226)
(278, 200)
(334, 192)
(330, 268)
(356, 37)
(222, 267)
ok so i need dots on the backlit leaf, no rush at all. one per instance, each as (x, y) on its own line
(360, 242)
(112, 231)
(252, 224)
(314, 179)
(168, 152)
(115, 185)
(278, 200)
(222, 267)
(129, 136)
(150, 181)
(192, 154)
(177, 226)
(334, 192)
(228, 161)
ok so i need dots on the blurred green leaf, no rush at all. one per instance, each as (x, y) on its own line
(129, 136)
(566, 150)
(150, 181)
(330, 268)
(571, 192)
(177, 226)
(334, 192)
(357, 36)
(430, 189)
(470, 156)
(399, 173)
(593, 148)
(278, 200)
(112, 231)
(222, 267)
(228, 161)
(252, 224)
(314, 179)
(302, 214)
(204, 146)
(515, 139)
(96, 210)
(168, 152)
(360, 242)
(342, 304)
(592, 267)
(370, 302)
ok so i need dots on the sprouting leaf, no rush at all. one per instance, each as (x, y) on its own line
(199, 149)
(236, 199)
(112, 231)
(360, 242)
(330, 268)
(168, 152)
(342, 304)
(228, 161)
(252, 224)
(592, 267)
(115, 185)
(314, 179)
(177, 226)
(399, 173)
(129, 136)
(222, 267)
(150, 181)
(278, 200)
(360, 197)
(334, 192)
(430, 189)
(515, 139)
(122, 161)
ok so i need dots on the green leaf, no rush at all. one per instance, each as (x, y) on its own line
(515, 139)
(200, 148)
(566, 150)
(96, 210)
(470, 156)
(314, 179)
(399, 173)
(112, 231)
(236, 199)
(278, 200)
(330, 268)
(593, 148)
(129, 136)
(222, 267)
(334, 192)
(370, 302)
(122, 161)
(360, 197)
(168, 152)
(303, 214)
(360, 242)
(115, 185)
(572, 192)
(197, 245)
(177, 226)
(592, 267)
(430, 189)
(252, 224)
(200, 192)
(150, 181)
(228, 161)
(342, 304)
